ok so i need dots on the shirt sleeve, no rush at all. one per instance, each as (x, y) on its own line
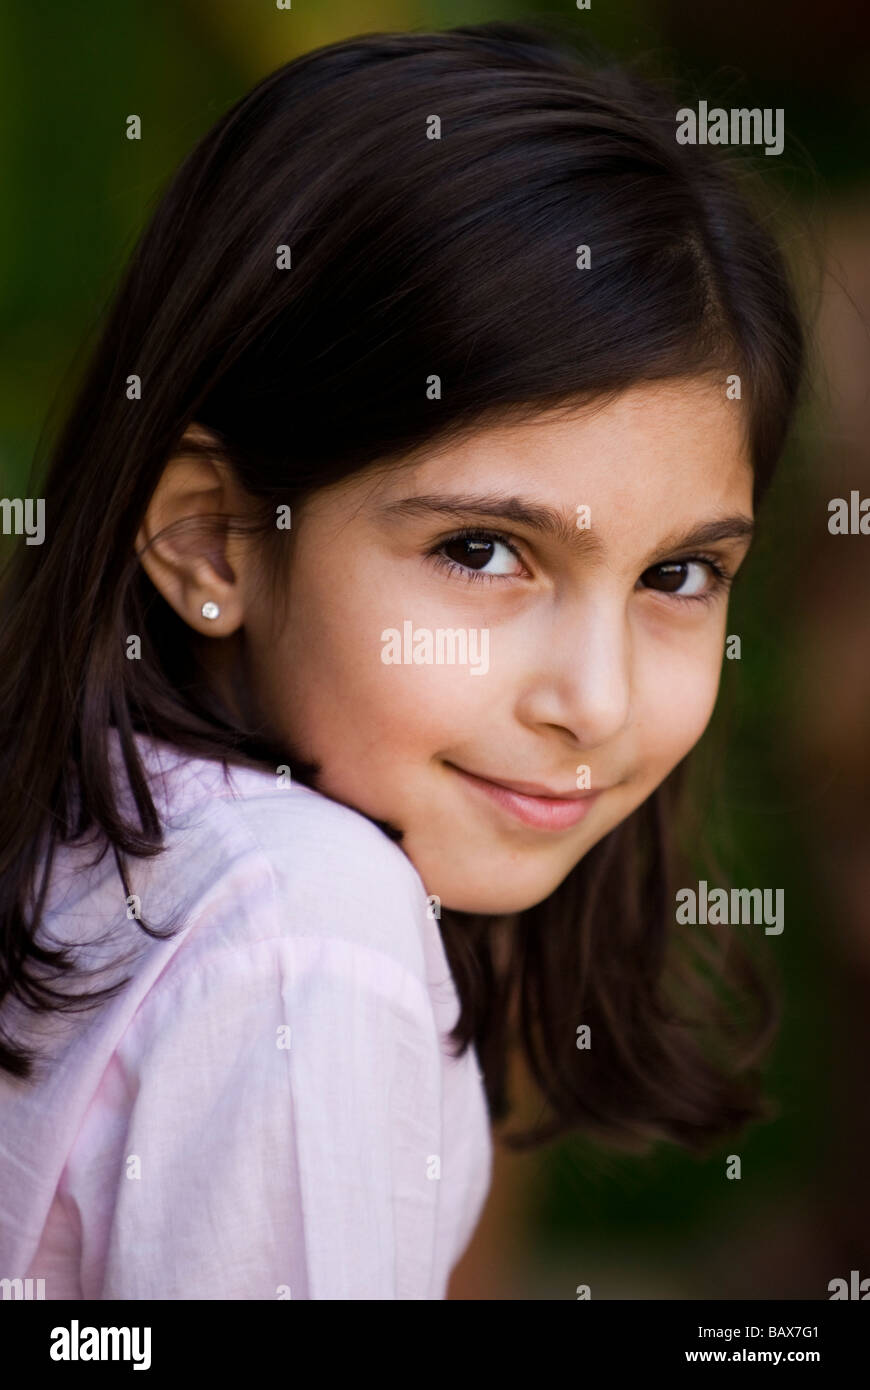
(283, 1132)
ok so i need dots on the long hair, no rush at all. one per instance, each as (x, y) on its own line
(375, 212)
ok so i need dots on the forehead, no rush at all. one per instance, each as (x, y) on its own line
(642, 448)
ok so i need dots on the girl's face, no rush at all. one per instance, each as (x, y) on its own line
(586, 626)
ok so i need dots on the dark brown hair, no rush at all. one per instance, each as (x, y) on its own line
(410, 255)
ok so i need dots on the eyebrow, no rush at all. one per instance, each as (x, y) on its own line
(560, 527)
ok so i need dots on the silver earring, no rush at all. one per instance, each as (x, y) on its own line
(210, 609)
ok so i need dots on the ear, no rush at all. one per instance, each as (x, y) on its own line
(195, 562)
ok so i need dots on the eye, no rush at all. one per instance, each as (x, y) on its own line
(695, 579)
(478, 556)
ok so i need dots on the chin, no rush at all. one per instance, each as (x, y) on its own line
(495, 898)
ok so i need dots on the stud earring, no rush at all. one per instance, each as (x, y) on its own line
(210, 609)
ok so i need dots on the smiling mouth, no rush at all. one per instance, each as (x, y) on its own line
(538, 808)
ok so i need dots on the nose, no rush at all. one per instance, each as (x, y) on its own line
(577, 671)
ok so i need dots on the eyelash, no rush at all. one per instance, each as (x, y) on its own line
(721, 579)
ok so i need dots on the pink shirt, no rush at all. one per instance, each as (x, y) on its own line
(269, 1109)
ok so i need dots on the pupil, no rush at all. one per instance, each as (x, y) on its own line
(473, 554)
(674, 575)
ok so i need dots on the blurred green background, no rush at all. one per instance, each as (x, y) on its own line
(787, 803)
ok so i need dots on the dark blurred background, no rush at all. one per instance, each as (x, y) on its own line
(790, 801)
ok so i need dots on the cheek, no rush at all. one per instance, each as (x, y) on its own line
(676, 701)
(344, 702)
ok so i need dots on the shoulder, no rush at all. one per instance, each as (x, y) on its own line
(255, 858)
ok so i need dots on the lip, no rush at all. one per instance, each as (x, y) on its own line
(539, 808)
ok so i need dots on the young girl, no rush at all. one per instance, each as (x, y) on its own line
(383, 594)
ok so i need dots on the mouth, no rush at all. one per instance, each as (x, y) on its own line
(530, 803)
